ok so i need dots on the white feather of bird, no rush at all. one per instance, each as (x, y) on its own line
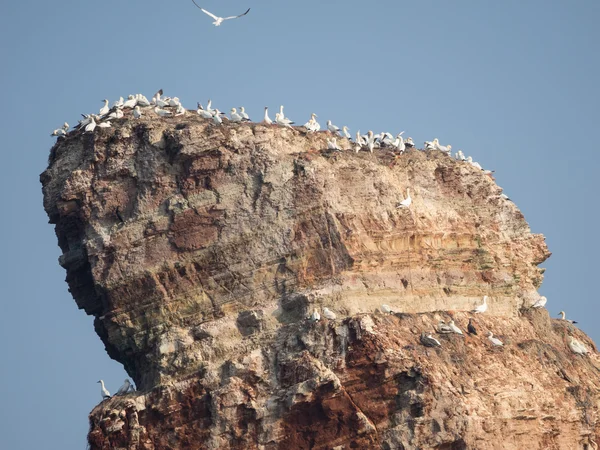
(330, 315)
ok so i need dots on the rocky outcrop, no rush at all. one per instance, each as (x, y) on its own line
(202, 249)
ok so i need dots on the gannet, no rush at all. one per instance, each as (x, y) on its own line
(329, 315)
(125, 388)
(61, 131)
(156, 96)
(216, 117)
(174, 102)
(428, 145)
(409, 142)
(407, 201)
(104, 110)
(541, 302)
(442, 148)
(577, 347)
(106, 124)
(137, 112)
(429, 341)
(359, 139)
(331, 127)
(235, 117)
(119, 103)
(386, 309)
(142, 100)
(162, 112)
(370, 141)
(91, 126)
(455, 329)
(315, 316)
(346, 133)
(180, 111)
(562, 317)
(443, 328)
(473, 163)
(219, 20)
(312, 125)
(471, 328)
(460, 156)
(130, 102)
(495, 341)
(332, 144)
(267, 119)
(103, 391)
(481, 308)
(203, 112)
(209, 106)
(386, 139)
(281, 120)
(244, 115)
(117, 113)
(399, 142)
(162, 102)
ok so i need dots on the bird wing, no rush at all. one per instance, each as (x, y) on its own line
(235, 17)
(210, 14)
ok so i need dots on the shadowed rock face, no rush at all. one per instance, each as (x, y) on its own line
(201, 250)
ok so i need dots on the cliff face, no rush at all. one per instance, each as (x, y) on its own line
(201, 250)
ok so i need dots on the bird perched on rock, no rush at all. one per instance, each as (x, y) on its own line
(125, 388)
(312, 125)
(235, 116)
(454, 328)
(104, 110)
(471, 328)
(443, 328)
(563, 317)
(137, 112)
(103, 391)
(346, 133)
(332, 144)
(495, 341)
(406, 202)
(332, 128)
(429, 341)
(162, 112)
(315, 316)
(386, 309)
(481, 308)
(577, 347)
(330, 315)
(267, 119)
(541, 302)
(244, 114)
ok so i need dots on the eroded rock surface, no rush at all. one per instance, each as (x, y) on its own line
(201, 250)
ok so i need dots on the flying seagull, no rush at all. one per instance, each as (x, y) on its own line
(219, 20)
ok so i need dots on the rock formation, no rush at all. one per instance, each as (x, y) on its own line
(201, 250)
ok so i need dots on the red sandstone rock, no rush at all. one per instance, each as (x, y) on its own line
(233, 234)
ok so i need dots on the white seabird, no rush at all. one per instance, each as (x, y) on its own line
(331, 127)
(267, 119)
(577, 347)
(117, 113)
(61, 131)
(442, 148)
(407, 201)
(180, 111)
(119, 103)
(219, 20)
(481, 308)
(541, 302)
(443, 328)
(315, 316)
(329, 315)
(235, 117)
(91, 126)
(203, 112)
(174, 102)
(473, 163)
(106, 124)
(409, 142)
(332, 144)
(284, 121)
(216, 117)
(429, 341)
(454, 328)
(162, 112)
(495, 341)
(386, 309)
(130, 102)
(137, 112)
(312, 125)
(244, 114)
(346, 133)
(399, 142)
(370, 141)
(563, 317)
(125, 388)
(142, 100)
(104, 110)
(103, 391)
(156, 97)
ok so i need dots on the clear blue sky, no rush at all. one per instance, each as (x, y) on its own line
(513, 83)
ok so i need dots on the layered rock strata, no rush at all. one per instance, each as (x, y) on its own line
(201, 250)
